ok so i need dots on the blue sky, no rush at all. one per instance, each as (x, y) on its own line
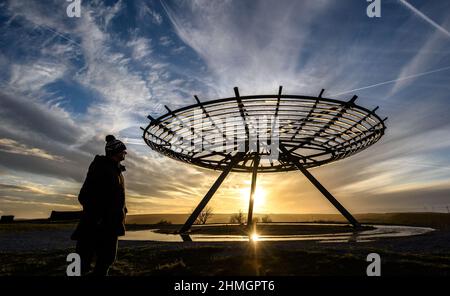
(67, 82)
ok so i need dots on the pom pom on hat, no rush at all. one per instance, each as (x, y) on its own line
(110, 138)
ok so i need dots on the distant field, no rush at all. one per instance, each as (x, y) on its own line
(435, 220)
(40, 247)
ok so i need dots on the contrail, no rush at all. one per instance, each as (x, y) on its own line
(428, 20)
(425, 18)
(394, 80)
(134, 141)
(60, 35)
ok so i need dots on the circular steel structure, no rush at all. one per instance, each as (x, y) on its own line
(264, 133)
(315, 130)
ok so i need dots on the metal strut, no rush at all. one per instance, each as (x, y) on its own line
(319, 186)
(252, 190)
(234, 160)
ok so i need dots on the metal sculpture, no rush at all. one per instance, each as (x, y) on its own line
(263, 134)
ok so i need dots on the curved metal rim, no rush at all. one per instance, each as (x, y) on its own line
(240, 168)
(160, 118)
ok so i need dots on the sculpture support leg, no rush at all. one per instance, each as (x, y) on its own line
(187, 225)
(252, 190)
(319, 186)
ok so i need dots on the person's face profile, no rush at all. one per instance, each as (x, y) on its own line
(119, 156)
(122, 155)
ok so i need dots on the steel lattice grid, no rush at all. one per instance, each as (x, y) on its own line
(314, 129)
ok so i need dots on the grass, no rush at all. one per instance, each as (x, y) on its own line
(422, 255)
(238, 259)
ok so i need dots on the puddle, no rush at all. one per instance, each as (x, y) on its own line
(380, 231)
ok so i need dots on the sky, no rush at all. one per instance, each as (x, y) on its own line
(68, 82)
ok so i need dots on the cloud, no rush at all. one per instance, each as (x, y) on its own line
(165, 41)
(146, 10)
(140, 47)
(423, 62)
(29, 116)
(11, 146)
(109, 12)
(420, 14)
(34, 76)
(122, 70)
(247, 50)
(26, 199)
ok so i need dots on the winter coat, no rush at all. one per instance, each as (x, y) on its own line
(103, 199)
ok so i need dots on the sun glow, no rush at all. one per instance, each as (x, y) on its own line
(259, 198)
(254, 237)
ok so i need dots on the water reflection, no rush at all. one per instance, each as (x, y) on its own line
(380, 231)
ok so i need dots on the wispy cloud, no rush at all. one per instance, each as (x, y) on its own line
(141, 47)
(425, 18)
(11, 146)
(402, 78)
(246, 50)
(122, 60)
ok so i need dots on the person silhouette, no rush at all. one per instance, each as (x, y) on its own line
(104, 209)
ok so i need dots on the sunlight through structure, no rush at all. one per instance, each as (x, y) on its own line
(254, 237)
(259, 196)
(263, 134)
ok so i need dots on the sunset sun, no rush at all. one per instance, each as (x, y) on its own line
(259, 198)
